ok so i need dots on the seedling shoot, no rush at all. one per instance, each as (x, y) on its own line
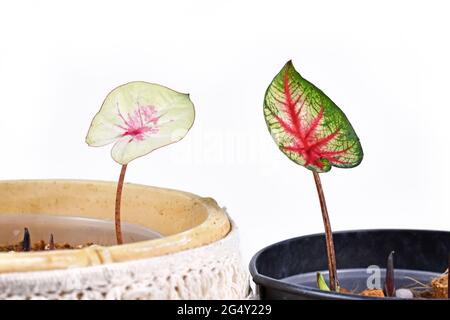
(389, 286)
(26, 242)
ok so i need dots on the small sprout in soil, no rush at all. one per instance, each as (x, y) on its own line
(139, 117)
(389, 285)
(321, 283)
(51, 243)
(26, 242)
(311, 130)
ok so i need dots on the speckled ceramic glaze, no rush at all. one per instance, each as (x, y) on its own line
(184, 220)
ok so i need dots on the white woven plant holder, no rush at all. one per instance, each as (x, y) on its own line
(214, 271)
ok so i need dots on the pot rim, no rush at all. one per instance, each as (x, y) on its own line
(214, 227)
(315, 293)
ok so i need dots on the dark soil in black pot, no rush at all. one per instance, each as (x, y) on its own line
(287, 270)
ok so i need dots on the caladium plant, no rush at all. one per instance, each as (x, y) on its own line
(311, 130)
(139, 117)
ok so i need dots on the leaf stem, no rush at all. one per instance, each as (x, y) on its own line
(334, 283)
(118, 202)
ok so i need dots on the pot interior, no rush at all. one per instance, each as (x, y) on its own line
(287, 270)
(166, 211)
(69, 229)
(83, 211)
(355, 280)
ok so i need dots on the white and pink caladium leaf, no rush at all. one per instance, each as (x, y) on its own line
(139, 117)
(308, 127)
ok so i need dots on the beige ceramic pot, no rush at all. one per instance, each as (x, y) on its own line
(176, 233)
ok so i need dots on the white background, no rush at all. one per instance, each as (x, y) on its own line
(385, 63)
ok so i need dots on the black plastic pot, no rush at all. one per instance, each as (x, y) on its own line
(287, 269)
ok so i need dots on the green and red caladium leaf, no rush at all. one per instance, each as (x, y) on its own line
(307, 126)
(140, 117)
